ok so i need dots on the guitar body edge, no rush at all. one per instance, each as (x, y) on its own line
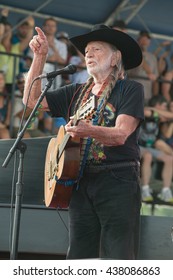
(56, 193)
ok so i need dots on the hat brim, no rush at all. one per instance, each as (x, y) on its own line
(129, 48)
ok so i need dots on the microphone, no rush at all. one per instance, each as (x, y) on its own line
(69, 69)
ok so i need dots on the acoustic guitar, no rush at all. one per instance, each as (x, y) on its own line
(63, 161)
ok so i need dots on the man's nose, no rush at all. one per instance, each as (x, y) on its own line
(89, 54)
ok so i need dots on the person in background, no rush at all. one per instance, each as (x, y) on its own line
(25, 29)
(6, 46)
(119, 24)
(81, 74)
(64, 37)
(18, 110)
(147, 72)
(104, 211)
(150, 152)
(162, 54)
(165, 141)
(167, 87)
(171, 62)
(57, 52)
(26, 64)
(2, 21)
(4, 109)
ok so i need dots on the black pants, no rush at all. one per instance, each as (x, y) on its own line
(104, 215)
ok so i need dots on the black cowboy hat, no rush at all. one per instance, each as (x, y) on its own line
(129, 48)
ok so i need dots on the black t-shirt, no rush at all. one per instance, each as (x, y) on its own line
(127, 98)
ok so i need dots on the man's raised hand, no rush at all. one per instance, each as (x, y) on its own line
(39, 43)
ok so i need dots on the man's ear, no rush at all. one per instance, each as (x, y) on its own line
(116, 59)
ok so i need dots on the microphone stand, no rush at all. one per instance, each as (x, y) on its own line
(21, 146)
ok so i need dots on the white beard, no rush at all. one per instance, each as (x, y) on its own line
(96, 68)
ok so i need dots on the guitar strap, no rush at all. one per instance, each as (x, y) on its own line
(88, 143)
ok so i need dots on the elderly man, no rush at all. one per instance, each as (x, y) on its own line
(104, 209)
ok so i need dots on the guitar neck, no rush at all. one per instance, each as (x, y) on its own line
(63, 144)
(85, 111)
(67, 137)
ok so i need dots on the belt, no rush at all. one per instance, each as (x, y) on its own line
(108, 167)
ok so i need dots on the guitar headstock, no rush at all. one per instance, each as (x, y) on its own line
(87, 110)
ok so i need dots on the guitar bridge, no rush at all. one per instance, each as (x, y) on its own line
(52, 169)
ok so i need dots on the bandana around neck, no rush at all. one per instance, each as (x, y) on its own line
(103, 94)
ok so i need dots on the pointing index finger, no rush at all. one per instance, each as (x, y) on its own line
(40, 33)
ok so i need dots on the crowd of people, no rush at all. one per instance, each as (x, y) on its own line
(155, 73)
(14, 48)
(155, 136)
